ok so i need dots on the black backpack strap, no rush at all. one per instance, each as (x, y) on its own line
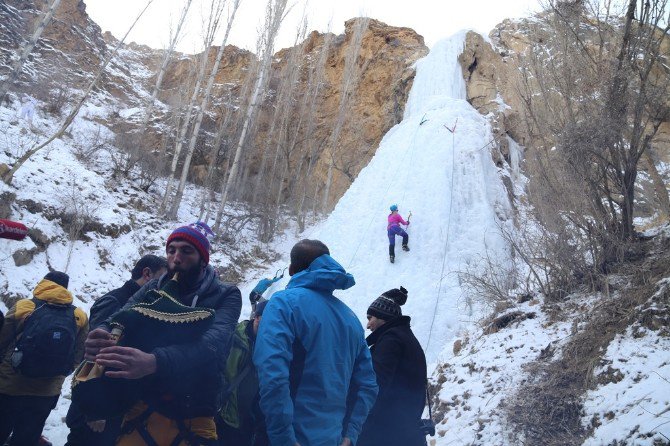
(234, 384)
(139, 424)
(146, 436)
(17, 333)
(185, 434)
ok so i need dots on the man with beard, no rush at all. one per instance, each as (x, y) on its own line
(179, 407)
(85, 432)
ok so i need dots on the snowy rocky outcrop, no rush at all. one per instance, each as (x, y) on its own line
(590, 369)
(73, 47)
(493, 68)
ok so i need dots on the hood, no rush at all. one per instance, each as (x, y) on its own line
(51, 292)
(323, 274)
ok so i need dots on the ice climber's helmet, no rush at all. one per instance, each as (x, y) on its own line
(394, 207)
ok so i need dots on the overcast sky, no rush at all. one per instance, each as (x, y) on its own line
(433, 19)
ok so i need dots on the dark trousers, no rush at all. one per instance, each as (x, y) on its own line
(397, 230)
(24, 418)
(246, 436)
(229, 436)
(81, 435)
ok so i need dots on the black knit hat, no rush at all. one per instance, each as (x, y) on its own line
(387, 306)
(58, 277)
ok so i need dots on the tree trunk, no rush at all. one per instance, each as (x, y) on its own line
(289, 81)
(349, 81)
(215, 157)
(212, 27)
(27, 48)
(201, 113)
(274, 18)
(9, 175)
(166, 59)
(660, 189)
(314, 89)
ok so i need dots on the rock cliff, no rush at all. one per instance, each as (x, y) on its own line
(493, 68)
(73, 47)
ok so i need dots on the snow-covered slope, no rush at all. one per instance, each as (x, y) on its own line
(454, 191)
(437, 164)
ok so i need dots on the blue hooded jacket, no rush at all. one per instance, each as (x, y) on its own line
(312, 358)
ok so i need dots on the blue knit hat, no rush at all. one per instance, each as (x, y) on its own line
(197, 234)
(394, 207)
(260, 307)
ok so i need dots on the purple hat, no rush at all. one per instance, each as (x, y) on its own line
(197, 234)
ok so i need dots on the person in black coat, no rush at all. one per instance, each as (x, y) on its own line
(400, 366)
(85, 432)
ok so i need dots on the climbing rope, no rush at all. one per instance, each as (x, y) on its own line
(411, 159)
(373, 215)
(446, 241)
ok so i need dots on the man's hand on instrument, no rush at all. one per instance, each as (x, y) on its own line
(130, 363)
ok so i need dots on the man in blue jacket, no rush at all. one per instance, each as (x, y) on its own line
(315, 373)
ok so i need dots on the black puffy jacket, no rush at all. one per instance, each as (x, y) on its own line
(400, 366)
(110, 303)
(192, 372)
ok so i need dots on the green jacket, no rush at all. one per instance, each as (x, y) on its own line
(237, 409)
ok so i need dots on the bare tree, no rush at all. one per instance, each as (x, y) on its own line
(315, 147)
(275, 13)
(283, 115)
(595, 94)
(216, 152)
(349, 81)
(9, 175)
(167, 54)
(213, 20)
(174, 207)
(28, 47)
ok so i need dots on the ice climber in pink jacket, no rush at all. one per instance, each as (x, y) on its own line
(393, 229)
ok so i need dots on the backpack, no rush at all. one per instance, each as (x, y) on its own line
(46, 347)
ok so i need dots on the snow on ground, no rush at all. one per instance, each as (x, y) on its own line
(632, 403)
(485, 370)
(633, 407)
